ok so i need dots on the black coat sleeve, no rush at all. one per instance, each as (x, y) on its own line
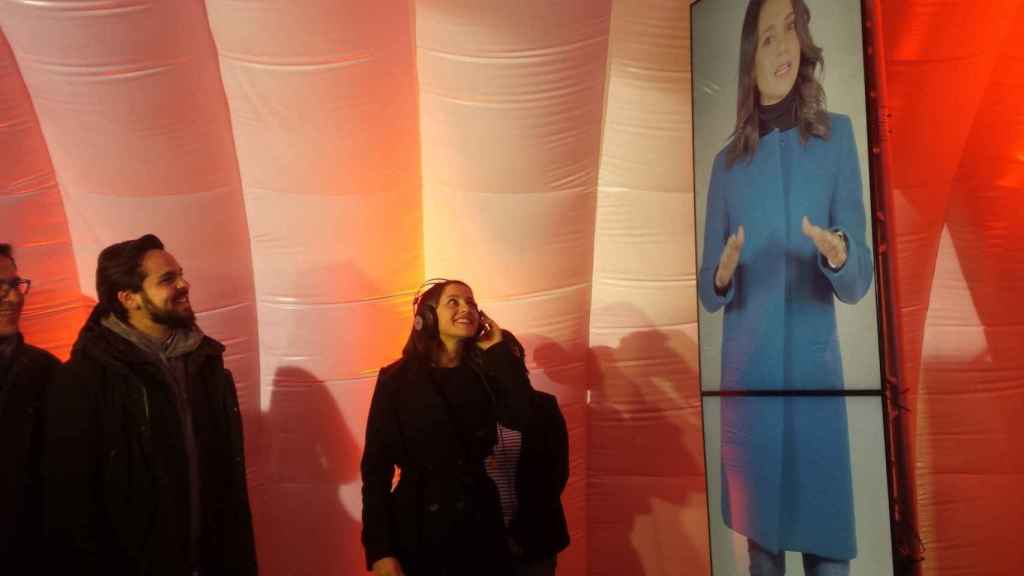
(558, 443)
(21, 424)
(239, 540)
(43, 379)
(505, 370)
(539, 524)
(72, 466)
(380, 456)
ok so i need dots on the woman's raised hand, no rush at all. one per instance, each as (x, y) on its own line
(490, 333)
(729, 260)
(387, 567)
(829, 244)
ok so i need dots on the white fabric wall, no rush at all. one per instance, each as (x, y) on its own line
(510, 119)
(646, 476)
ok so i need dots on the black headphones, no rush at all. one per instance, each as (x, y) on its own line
(425, 316)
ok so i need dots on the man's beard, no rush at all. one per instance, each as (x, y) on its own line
(170, 318)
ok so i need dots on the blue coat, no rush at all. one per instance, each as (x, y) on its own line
(786, 461)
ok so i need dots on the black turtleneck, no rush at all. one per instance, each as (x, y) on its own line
(780, 116)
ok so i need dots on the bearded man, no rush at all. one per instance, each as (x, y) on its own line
(144, 466)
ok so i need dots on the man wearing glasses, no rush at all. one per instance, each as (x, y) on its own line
(25, 371)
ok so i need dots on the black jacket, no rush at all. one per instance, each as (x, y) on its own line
(22, 390)
(116, 479)
(539, 526)
(443, 486)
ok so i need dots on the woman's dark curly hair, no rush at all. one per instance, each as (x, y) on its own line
(813, 117)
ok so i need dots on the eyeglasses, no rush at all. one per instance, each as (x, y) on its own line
(21, 285)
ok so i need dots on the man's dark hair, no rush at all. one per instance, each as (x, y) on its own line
(7, 252)
(119, 267)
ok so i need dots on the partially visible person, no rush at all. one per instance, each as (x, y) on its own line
(25, 371)
(531, 469)
(144, 461)
(434, 417)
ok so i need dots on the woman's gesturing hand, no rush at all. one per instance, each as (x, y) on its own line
(729, 260)
(830, 244)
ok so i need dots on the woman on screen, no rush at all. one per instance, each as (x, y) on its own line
(785, 237)
(434, 415)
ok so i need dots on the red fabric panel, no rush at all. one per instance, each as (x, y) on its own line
(32, 219)
(954, 76)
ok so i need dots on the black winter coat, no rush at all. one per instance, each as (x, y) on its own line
(22, 392)
(444, 514)
(539, 526)
(116, 479)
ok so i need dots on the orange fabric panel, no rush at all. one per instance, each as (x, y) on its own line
(953, 72)
(323, 108)
(32, 219)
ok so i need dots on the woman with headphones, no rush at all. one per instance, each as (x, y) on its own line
(434, 417)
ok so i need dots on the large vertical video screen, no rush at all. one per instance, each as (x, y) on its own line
(789, 337)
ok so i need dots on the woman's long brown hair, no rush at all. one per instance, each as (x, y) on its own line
(813, 117)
